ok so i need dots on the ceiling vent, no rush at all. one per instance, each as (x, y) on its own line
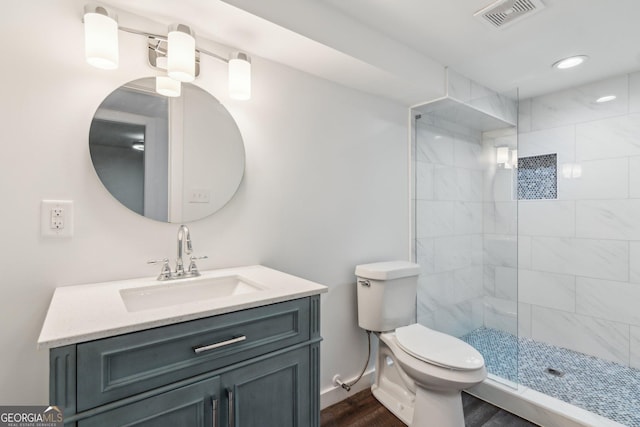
(503, 13)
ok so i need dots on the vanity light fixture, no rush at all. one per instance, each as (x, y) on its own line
(570, 62)
(181, 53)
(605, 98)
(100, 37)
(175, 53)
(167, 86)
(240, 76)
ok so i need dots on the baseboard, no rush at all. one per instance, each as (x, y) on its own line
(332, 395)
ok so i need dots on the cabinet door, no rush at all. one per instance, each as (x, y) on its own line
(193, 405)
(274, 392)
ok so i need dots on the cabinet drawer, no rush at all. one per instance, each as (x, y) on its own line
(125, 365)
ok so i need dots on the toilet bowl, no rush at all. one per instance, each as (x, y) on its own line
(420, 373)
(422, 386)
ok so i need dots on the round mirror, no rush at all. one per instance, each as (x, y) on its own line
(169, 159)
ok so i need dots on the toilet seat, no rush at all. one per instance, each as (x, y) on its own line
(437, 348)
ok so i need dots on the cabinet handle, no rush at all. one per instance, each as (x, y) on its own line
(231, 411)
(204, 348)
(214, 412)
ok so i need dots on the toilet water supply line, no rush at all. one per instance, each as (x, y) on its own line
(347, 386)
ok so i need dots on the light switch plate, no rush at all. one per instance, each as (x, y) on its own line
(199, 195)
(56, 218)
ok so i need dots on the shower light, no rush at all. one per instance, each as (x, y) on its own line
(570, 62)
(571, 170)
(100, 38)
(502, 155)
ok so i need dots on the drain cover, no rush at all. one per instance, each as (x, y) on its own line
(554, 372)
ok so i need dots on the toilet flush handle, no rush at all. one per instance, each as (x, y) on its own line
(364, 282)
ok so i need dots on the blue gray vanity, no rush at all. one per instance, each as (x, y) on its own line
(122, 354)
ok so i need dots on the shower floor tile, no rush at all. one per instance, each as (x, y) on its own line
(599, 386)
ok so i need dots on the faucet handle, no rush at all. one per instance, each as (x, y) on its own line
(165, 273)
(193, 268)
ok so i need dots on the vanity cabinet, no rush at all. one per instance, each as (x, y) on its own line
(254, 367)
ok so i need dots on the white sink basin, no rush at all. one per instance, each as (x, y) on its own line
(184, 291)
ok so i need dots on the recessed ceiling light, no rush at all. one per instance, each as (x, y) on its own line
(570, 62)
(606, 98)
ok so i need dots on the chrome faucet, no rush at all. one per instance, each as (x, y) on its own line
(184, 248)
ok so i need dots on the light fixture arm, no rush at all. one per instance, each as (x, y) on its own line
(160, 37)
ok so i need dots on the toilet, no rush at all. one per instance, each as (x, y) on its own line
(420, 373)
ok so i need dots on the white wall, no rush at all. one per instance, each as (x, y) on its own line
(325, 187)
(579, 258)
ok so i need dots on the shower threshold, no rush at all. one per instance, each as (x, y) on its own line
(542, 381)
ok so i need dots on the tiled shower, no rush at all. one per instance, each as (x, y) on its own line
(544, 246)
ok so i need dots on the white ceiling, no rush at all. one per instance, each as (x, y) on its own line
(519, 55)
(399, 48)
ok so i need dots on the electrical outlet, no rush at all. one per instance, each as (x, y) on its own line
(56, 218)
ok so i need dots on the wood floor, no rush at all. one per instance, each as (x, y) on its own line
(363, 410)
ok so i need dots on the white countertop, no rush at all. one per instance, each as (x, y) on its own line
(88, 312)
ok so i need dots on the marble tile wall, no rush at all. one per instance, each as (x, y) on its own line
(481, 98)
(569, 267)
(449, 226)
(500, 236)
(579, 255)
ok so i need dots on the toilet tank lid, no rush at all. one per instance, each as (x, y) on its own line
(387, 270)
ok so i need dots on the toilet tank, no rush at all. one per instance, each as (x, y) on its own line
(387, 295)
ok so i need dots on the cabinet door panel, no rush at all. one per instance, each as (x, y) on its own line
(272, 392)
(190, 406)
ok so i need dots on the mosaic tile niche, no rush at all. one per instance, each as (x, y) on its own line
(538, 177)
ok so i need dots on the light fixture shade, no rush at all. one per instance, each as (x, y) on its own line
(502, 155)
(181, 53)
(514, 158)
(167, 86)
(240, 76)
(101, 38)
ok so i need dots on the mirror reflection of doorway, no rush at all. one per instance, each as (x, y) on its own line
(129, 147)
(119, 165)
